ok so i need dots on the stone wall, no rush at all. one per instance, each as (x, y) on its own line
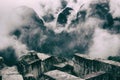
(10, 73)
(39, 66)
(84, 65)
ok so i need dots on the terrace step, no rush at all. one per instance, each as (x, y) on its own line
(58, 75)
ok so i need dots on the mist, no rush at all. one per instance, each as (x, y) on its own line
(88, 27)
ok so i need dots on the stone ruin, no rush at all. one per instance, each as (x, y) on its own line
(40, 66)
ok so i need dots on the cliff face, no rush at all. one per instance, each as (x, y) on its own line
(77, 34)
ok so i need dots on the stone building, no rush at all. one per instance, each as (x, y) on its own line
(40, 66)
(37, 63)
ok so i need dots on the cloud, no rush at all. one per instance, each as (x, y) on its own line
(104, 44)
(115, 8)
(12, 17)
